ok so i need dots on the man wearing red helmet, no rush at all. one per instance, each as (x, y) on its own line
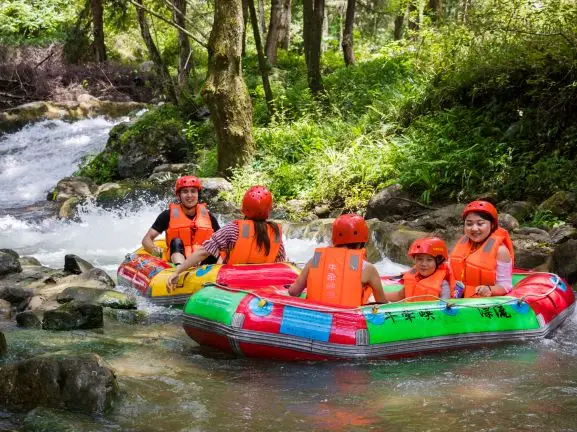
(252, 240)
(430, 277)
(340, 275)
(483, 258)
(187, 224)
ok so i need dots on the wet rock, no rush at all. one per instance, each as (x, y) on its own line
(508, 222)
(319, 230)
(5, 309)
(520, 210)
(9, 263)
(98, 275)
(127, 316)
(82, 383)
(563, 233)
(3, 345)
(28, 319)
(108, 298)
(177, 168)
(28, 261)
(391, 203)
(69, 187)
(392, 239)
(75, 264)
(49, 419)
(69, 209)
(73, 316)
(442, 218)
(560, 204)
(16, 295)
(537, 234)
(564, 260)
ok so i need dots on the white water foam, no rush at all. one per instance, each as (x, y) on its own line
(33, 159)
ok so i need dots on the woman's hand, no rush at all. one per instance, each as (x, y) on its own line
(171, 282)
(484, 291)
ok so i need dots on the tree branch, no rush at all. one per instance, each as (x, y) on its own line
(160, 17)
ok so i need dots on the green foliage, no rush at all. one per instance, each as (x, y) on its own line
(545, 219)
(101, 168)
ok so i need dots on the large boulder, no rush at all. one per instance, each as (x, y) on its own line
(16, 295)
(562, 233)
(28, 319)
(5, 310)
(108, 298)
(9, 262)
(76, 265)
(74, 382)
(391, 203)
(441, 218)
(71, 316)
(393, 240)
(560, 204)
(531, 253)
(213, 187)
(564, 260)
(508, 221)
(520, 210)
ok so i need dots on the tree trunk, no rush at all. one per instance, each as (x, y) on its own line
(414, 23)
(347, 44)
(399, 21)
(98, 31)
(278, 29)
(159, 66)
(184, 51)
(313, 15)
(261, 60)
(245, 19)
(224, 90)
(261, 20)
(436, 10)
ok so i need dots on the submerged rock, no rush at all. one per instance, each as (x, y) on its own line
(108, 298)
(75, 382)
(73, 316)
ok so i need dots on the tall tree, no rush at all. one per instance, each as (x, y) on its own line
(399, 22)
(261, 60)
(279, 28)
(261, 20)
(245, 20)
(98, 30)
(159, 65)
(184, 51)
(347, 43)
(436, 10)
(224, 90)
(313, 16)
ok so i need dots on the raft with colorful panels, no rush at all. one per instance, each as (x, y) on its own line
(148, 275)
(265, 322)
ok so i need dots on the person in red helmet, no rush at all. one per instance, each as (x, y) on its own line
(340, 274)
(430, 277)
(483, 258)
(252, 240)
(187, 224)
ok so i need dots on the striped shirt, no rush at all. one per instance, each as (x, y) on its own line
(225, 239)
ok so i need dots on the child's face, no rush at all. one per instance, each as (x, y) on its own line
(425, 264)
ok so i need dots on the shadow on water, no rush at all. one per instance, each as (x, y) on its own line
(168, 383)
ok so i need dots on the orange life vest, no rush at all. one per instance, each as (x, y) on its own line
(192, 232)
(246, 251)
(416, 285)
(478, 266)
(335, 277)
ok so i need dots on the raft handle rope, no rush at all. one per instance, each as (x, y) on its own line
(375, 308)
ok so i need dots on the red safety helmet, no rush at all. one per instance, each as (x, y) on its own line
(350, 228)
(186, 181)
(257, 203)
(481, 207)
(433, 246)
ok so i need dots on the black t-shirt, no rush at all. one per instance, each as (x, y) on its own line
(161, 223)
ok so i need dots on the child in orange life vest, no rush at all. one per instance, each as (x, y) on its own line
(252, 240)
(340, 275)
(430, 276)
(483, 258)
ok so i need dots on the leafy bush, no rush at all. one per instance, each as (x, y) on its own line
(101, 168)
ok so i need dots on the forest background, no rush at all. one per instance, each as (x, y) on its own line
(326, 102)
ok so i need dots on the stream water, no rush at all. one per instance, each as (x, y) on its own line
(169, 383)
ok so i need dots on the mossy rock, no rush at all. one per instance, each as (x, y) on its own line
(108, 298)
(560, 204)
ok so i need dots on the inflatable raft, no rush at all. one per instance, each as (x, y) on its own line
(265, 322)
(148, 275)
